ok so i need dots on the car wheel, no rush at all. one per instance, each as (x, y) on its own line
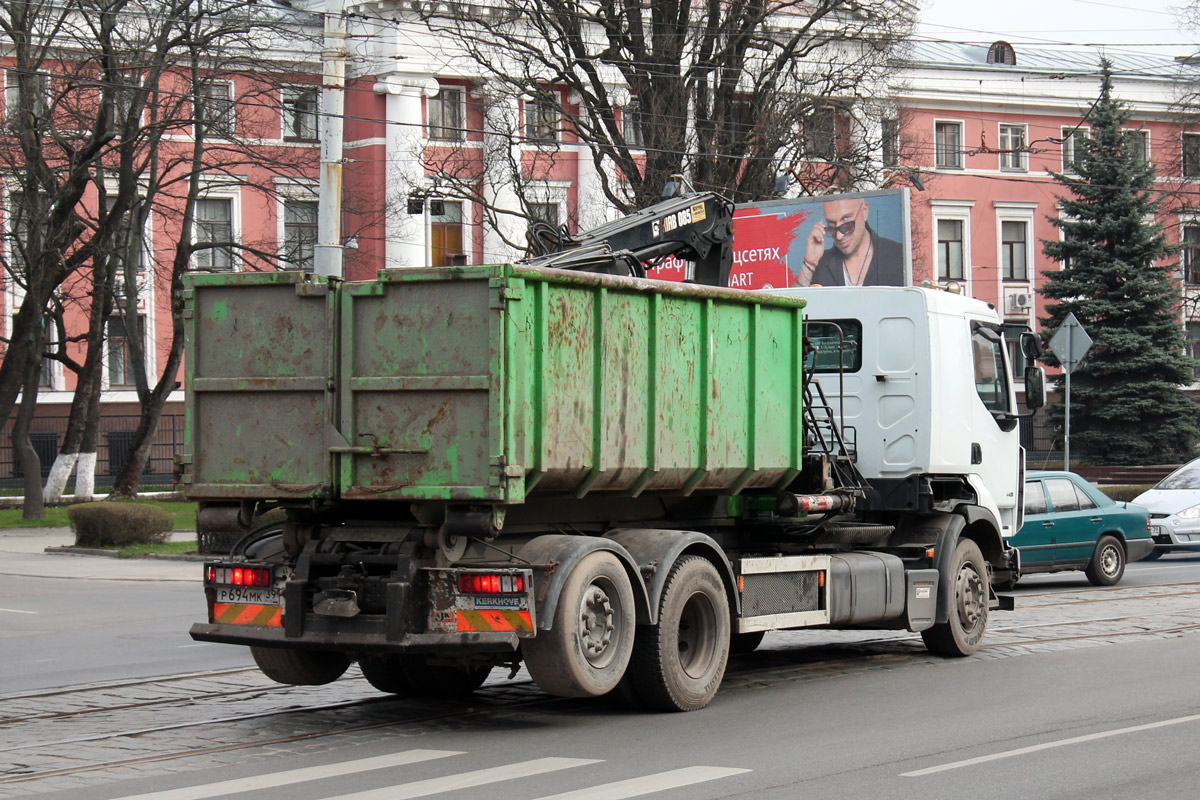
(1108, 562)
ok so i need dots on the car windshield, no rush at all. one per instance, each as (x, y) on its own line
(1187, 477)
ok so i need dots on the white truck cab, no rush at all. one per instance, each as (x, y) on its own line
(923, 389)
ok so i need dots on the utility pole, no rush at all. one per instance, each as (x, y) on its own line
(328, 255)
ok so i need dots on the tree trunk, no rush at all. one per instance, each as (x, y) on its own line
(34, 507)
(125, 485)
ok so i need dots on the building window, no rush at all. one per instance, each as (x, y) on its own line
(1001, 53)
(216, 108)
(950, 249)
(1192, 345)
(214, 234)
(1191, 155)
(120, 357)
(12, 93)
(545, 212)
(1014, 250)
(948, 145)
(541, 120)
(632, 125)
(299, 233)
(16, 219)
(1139, 144)
(300, 104)
(1190, 239)
(890, 145)
(446, 235)
(1012, 341)
(445, 113)
(1013, 157)
(819, 134)
(1073, 147)
(122, 98)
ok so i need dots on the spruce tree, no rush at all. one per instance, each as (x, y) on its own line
(1127, 403)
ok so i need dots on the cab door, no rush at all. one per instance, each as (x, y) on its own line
(1036, 537)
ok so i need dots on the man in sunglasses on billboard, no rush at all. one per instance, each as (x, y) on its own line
(858, 256)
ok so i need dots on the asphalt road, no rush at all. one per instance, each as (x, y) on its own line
(1077, 713)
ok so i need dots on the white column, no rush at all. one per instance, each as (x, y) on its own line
(502, 150)
(404, 169)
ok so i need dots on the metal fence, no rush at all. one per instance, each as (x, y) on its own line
(115, 439)
(1038, 438)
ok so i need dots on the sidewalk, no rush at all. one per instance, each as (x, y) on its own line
(23, 553)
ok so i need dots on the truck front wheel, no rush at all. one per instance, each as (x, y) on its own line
(586, 651)
(678, 664)
(962, 632)
(300, 667)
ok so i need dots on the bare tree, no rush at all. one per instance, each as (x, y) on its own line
(725, 94)
(113, 118)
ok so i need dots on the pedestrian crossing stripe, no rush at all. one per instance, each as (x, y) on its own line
(451, 784)
(495, 619)
(247, 614)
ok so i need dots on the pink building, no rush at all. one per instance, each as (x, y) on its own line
(982, 126)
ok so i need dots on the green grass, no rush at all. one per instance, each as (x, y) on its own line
(163, 548)
(183, 514)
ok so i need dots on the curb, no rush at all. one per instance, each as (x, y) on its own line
(69, 550)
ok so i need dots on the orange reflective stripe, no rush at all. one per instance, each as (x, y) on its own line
(498, 620)
(471, 621)
(242, 614)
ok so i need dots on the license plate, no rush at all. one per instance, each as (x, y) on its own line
(258, 596)
(1159, 530)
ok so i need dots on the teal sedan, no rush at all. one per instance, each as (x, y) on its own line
(1070, 525)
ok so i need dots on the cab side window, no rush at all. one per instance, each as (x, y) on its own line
(991, 379)
(1035, 498)
(1062, 495)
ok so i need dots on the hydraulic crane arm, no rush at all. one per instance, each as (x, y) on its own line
(696, 227)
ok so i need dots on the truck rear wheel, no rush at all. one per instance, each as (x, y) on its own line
(300, 667)
(962, 632)
(409, 676)
(678, 664)
(585, 652)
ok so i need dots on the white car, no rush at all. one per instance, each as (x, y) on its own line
(1174, 506)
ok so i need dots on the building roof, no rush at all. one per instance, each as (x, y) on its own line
(1055, 58)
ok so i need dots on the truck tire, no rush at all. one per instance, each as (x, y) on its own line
(962, 632)
(386, 674)
(300, 667)
(410, 676)
(678, 663)
(586, 651)
(1108, 562)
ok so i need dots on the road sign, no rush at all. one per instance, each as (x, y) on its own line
(1070, 343)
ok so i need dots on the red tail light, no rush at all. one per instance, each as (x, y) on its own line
(238, 576)
(491, 584)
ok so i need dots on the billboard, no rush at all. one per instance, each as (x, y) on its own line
(831, 240)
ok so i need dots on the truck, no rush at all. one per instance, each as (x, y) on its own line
(611, 480)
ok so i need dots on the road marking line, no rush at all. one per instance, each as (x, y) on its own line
(274, 779)
(649, 784)
(17, 611)
(467, 780)
(1020, 751)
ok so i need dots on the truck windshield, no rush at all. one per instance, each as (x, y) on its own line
(830, 339)
(991, 378)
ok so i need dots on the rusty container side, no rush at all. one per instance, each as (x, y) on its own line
(258, 371)
(421, 393)
(621, 386)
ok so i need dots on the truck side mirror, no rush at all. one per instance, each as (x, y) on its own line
(1035, 387)
(1031, 346)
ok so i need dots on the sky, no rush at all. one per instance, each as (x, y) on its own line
(1145, 26)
